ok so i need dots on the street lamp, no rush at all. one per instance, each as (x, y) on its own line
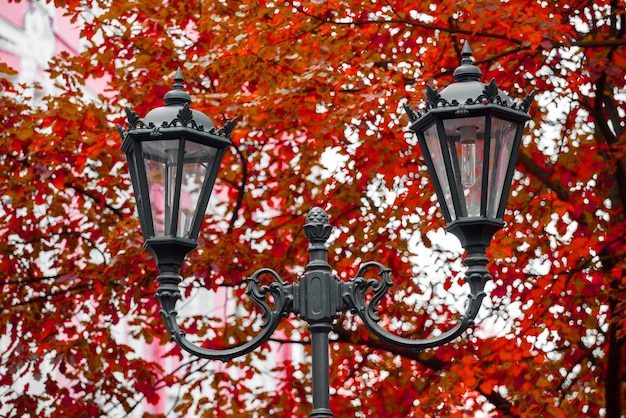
(470, 136)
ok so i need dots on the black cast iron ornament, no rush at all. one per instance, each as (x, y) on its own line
(457, 122)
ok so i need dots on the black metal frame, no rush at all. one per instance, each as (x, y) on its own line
(489, 111)
(319, 297)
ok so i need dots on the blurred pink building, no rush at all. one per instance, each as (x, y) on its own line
(31, 33)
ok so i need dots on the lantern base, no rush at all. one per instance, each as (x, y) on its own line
(475, 233)
(169, 252)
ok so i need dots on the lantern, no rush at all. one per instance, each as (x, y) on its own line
(174, 155)
(470, 137)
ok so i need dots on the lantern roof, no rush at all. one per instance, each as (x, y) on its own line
(177, 102)
(467, 90)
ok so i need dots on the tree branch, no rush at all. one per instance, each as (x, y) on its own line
(408, 22)
(240, 190)
(427, 360)
(543, 176)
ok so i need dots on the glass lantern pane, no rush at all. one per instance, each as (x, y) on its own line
(160, 158)
(502, 138)
(197, 162)
(436, 155)
(466, 138)
(140, 206)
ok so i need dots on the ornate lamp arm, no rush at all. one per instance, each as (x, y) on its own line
(168, 293)
(318, 298)
(354, 292)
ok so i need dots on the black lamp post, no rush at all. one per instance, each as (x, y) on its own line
(470, 135)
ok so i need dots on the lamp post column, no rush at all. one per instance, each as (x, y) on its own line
(318, 303)
(320, 366)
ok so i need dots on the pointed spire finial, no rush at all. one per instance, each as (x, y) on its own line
(178, 79)
(466, 54)
(177, 96)
(467, 71)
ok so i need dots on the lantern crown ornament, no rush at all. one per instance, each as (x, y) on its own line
(174, 154)
(177, 111)
(470, 135)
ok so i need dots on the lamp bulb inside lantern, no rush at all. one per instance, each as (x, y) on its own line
(468, 155)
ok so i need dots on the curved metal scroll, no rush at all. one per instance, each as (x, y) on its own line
(355, 291)
(281, 293)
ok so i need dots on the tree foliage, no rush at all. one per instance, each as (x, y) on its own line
(317, 87)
